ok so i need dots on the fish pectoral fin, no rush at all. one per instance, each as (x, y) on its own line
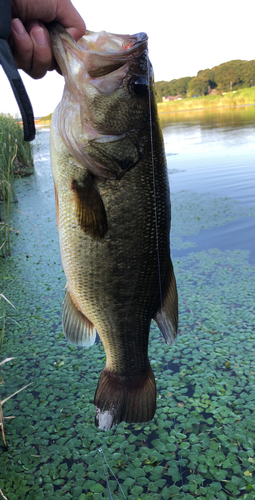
(77, 328)
(121, 398)
(90, 210)
(167, 316)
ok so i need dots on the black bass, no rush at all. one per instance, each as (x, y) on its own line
(113, 214)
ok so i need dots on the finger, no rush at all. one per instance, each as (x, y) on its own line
(70, 19)
(42, 60)
(31, 47)
(21, 45)
(62, 11)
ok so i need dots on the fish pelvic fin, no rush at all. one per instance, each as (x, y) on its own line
(167, 315)
(132, 399)
(90, 210)
(76, 327)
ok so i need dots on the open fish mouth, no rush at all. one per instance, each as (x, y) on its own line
(100, 53)
(109, 67)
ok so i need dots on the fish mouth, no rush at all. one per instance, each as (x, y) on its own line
(95, 68)
(98, 53)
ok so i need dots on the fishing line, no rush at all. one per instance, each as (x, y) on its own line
(101, 451)
(106, 478)
(154, 188)
(158, 260)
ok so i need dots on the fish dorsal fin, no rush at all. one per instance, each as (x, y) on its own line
(90, 210)
(167, 316)
(77, 328)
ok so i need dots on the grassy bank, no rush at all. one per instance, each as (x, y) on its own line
(44, 120)
(239, 98)
(15, 159)
(230, 99)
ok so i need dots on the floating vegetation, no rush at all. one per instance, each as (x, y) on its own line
(205, 418)
(1, 406)
(192, 212)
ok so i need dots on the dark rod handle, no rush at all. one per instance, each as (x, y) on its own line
(5, 19)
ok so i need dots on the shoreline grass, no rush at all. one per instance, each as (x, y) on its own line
(242, 97)
(15, 159)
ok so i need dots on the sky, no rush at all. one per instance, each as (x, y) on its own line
(184, 37)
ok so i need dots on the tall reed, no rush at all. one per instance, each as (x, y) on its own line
(15, 155)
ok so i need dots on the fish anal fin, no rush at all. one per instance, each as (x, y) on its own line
(76, 326)
(90, 210)
(167, 316)
(129, 399)
(56, 205)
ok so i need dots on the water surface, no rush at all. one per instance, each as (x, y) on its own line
(213, 151)
(208, 385)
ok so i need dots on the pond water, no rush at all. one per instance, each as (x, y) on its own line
(212, 151)
(200, 445)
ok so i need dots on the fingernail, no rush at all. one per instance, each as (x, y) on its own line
(18, 26)
(39, 36)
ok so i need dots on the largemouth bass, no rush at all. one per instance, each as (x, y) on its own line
(113, 214)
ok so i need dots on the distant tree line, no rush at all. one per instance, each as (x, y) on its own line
(228, 76)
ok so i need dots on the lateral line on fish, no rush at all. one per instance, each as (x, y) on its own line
(159, 271)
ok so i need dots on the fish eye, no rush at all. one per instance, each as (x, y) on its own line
(139, 86)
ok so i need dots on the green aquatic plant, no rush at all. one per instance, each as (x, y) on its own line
(1, 405)
(3, 317)
(1, 380)
(53, 445)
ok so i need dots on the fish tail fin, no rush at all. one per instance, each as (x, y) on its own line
(76, 327)
(167, 315)
(132, 399)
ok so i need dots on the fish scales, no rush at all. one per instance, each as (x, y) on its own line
(112, 272)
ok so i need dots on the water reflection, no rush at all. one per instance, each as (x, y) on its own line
(206, 130)
(213, 151)
(219, 117)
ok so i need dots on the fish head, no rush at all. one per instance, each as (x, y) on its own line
(104, 118)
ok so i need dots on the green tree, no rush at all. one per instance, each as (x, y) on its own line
(174, 87)
(227, 76)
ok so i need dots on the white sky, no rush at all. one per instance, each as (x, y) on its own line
(184, 37)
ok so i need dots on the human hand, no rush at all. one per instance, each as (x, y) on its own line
(30, 39)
